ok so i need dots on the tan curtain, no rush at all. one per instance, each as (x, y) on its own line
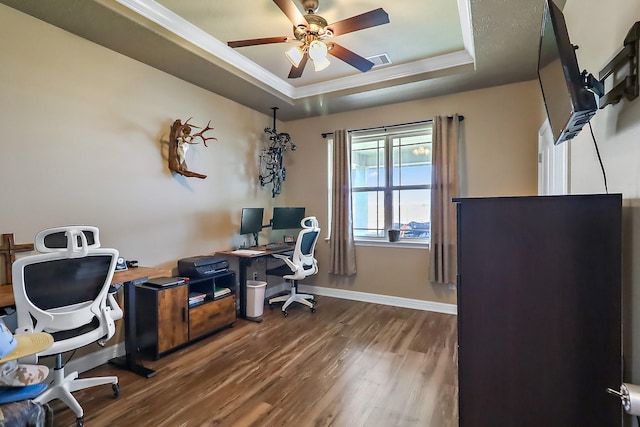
(444, 187)
(342, 252)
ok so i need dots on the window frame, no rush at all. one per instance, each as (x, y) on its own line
(388, 188)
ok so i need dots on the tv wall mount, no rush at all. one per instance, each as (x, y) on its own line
(627, 87)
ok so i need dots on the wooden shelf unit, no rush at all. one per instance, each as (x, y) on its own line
(166, 322)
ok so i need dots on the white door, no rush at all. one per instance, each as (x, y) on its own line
(553, 163)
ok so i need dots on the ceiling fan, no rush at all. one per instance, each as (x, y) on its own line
(313, 32)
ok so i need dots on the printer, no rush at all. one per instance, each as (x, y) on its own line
(202, 266)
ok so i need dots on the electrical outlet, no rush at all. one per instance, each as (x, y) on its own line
(255, 275)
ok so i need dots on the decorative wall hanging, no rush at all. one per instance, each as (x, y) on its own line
(272, 168)
(181, 139)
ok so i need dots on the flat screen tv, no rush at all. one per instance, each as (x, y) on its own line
(570, 105)
(286, 218)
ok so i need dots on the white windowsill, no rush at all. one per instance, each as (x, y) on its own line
(403, 244)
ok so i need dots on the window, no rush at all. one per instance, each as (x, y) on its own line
(391, 182)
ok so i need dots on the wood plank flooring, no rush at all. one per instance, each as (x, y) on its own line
(349, 364)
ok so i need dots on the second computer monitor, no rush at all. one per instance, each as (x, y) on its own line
(286, 218)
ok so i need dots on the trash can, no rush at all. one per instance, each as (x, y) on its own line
(255, 297)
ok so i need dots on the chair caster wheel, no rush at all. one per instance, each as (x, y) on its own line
(285, 314)
(270, 306)
(80, 422)
(313, 309)
(116, 390)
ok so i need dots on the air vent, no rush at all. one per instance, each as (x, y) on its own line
(380, 60)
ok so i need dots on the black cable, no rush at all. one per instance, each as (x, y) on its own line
(70, 357)
(595, 143)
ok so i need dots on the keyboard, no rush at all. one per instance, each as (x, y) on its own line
(248, 252)
(278, 247)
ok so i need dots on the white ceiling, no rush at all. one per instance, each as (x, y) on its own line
(436, 47)
(417, 30)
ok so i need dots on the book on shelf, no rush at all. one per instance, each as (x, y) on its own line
(219, 292)
(195, 297)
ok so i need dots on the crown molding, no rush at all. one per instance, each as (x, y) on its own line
(232, 61)
(227, 57)
(387, 74)
(465, 27)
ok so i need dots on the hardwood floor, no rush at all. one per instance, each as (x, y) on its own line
(349, 364)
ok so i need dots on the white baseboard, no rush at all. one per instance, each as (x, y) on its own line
(95, 359)
(276, 289)
(437, 307)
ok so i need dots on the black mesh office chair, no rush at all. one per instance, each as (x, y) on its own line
(65, 292)
(301, 264)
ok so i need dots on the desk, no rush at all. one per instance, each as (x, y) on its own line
(6, 295)
(6, 291)
(129, 278)
(244, 261)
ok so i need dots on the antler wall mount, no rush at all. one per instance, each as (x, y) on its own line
(180, 141)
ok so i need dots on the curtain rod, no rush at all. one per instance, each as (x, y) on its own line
(325, 134)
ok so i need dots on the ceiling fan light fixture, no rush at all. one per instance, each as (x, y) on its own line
(320, 63)
(295, 55)
(318, 53)
(314, 35)
(318, 50)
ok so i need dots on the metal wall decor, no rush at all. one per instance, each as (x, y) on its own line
(272, 168)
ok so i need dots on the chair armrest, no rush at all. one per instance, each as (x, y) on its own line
(287, 261)
(110, 314)
(116, 311)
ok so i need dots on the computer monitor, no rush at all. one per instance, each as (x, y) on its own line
(251, 222)
(286, 218)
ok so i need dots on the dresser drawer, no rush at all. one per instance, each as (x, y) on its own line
(211, 316)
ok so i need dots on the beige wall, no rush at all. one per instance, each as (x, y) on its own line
(85, 133)
(499, 147)
(600, 31)
(84, 141)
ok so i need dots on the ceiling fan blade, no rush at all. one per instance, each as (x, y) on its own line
(292, 12)
(350, 57)
(296, 72)
(360, 22)
(254, 42)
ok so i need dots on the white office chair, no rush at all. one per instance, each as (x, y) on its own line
(65, 291)
(300, 265)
